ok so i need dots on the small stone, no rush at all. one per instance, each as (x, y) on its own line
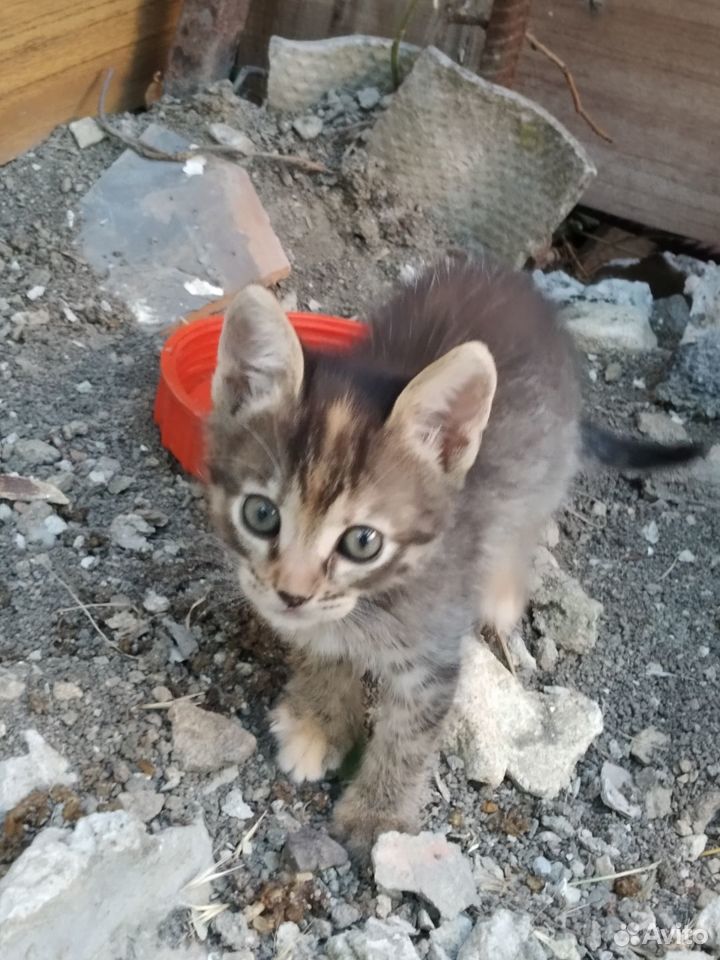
(693, 846)
(308, 127)
(204, 741)
(378, 939)
(560, 607)
(39, 769)
(368, 97)
(658, 803)
(383, 906)
(228, 136)
(233, 930)
(234, 806)
(155, 602)
(644, 744)
(449, 937)
(144, 804)
(308, 850)
(706, 811)
(613, 372)
(547, 654)
(84, 387)
(344, 915)
(10, 687)
(661, 428)
(614, 783)
(651, 533)
(498, 727)
(503, 936)
(669, 318)
(64, 691)
(86, 132)
(34, 293)
(35, 453)
(129, 531)
(428, 866)
(686, 556)
(541, 867)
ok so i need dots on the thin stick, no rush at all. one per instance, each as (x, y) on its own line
(81, 606)
(669, 570)
(197, 603)
(399, 37)
(153, 153)
(712, 852)
(616, 876)
(540, 47)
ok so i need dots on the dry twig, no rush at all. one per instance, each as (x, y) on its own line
(616, 876)
(81, 606)
(540, 47)
(153, 153)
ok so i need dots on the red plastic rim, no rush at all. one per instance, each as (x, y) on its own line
(187, 363)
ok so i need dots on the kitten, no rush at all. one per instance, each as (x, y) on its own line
(382, 502)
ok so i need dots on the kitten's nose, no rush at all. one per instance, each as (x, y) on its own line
(291, 599)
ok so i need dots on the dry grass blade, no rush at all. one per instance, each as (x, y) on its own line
(166, 704)
(83, 607)
(616, 876)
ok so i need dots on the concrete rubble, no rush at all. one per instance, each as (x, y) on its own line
(107, 878)
(301, 71)
(428, 866)
(503, 936)
(609, 315)
(39, 769)
(204, 742)
(561, 610)
(498, 728)
(152, 228)
(491, 166)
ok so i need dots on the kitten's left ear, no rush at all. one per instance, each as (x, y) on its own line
(260, 360)
(443, 411)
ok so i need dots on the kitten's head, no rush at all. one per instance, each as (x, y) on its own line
(331, 481)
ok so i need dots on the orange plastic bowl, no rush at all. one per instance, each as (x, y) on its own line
(187, 363)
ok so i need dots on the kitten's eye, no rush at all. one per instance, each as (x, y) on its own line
(360, 544)
(261, 516)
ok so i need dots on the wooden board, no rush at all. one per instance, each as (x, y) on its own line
(53, 54)
(649, 72)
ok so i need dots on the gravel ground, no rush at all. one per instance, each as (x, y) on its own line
(122, 598)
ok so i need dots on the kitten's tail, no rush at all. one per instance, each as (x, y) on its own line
(624, 453)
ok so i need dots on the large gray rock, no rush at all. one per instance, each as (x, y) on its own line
(609, 315)
(693, 381)
(72, 893)
(503, 936)
(561, 610)
(499, 728)
(308, 850)
(496, 170)
(39, 769)
(377, 940)
(428, 866)
(204, 742)
(301, 71)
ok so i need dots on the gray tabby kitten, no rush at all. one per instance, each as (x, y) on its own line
(382, 502)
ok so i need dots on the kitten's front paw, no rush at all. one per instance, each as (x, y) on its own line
(357, 825)
(304, 750)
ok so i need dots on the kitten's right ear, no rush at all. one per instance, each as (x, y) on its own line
(260, 360)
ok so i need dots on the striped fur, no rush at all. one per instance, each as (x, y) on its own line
(387, 437)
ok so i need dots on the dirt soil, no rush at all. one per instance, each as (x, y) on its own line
(77, 374)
